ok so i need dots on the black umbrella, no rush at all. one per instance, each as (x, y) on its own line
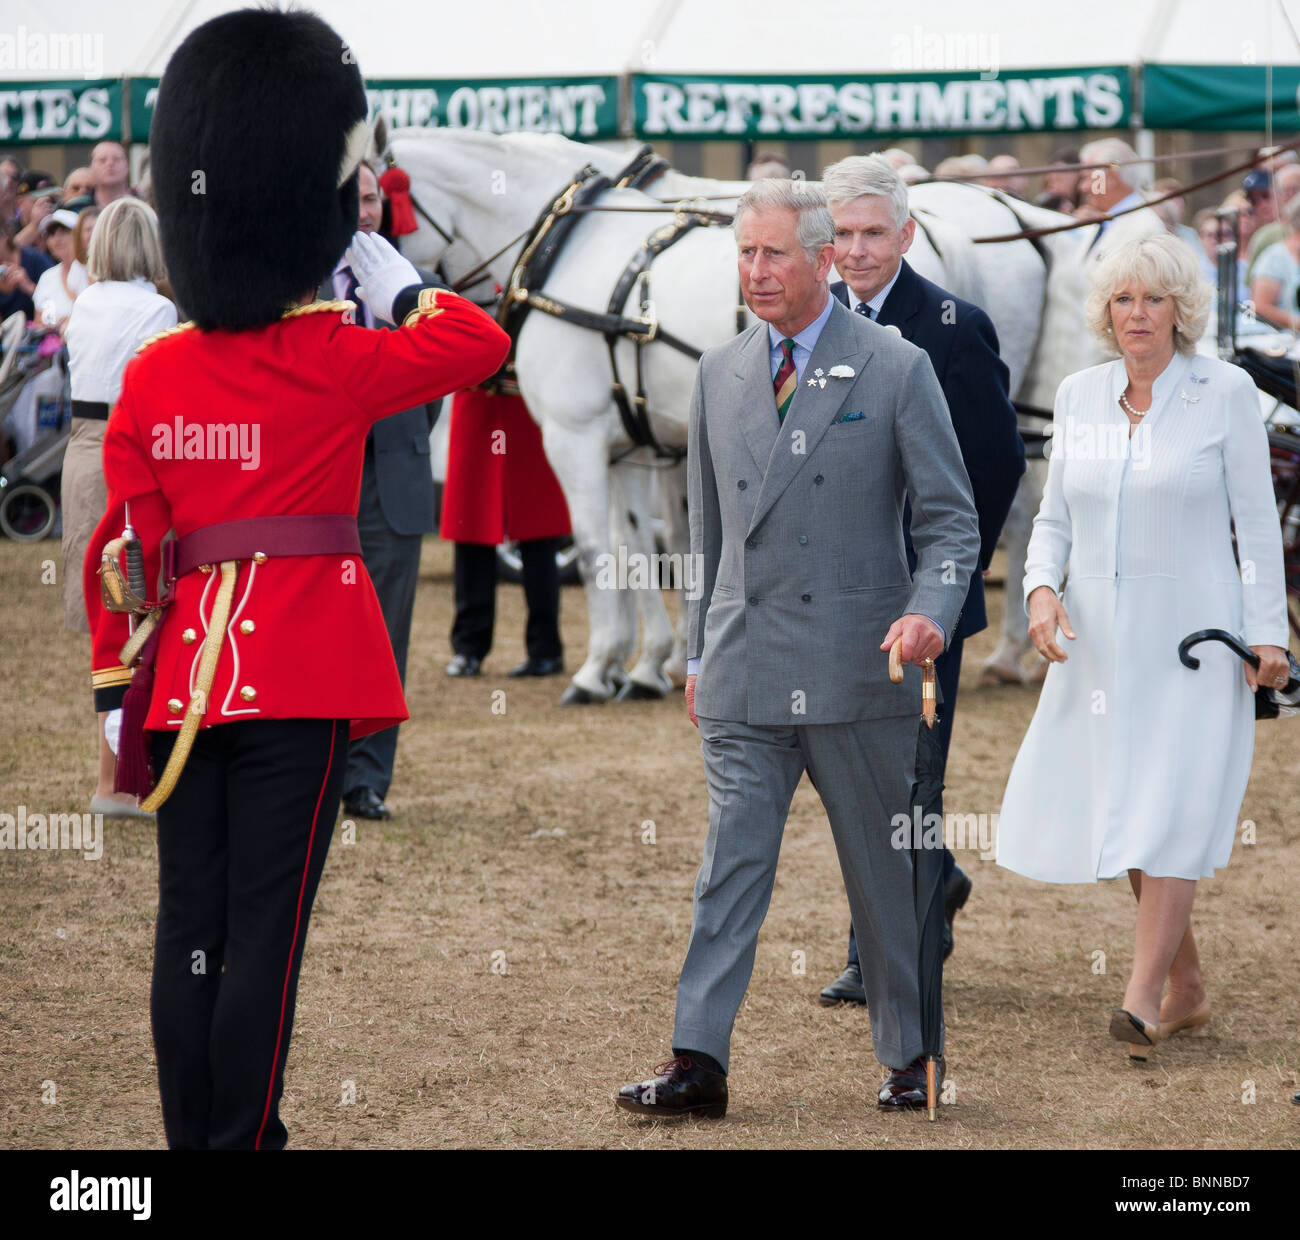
(927, 877)
(1270, 700)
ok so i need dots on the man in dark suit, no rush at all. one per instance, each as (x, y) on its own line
(873, 231)
(396, 510)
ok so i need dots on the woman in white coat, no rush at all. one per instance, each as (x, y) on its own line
(108, 322)
(1134, 763)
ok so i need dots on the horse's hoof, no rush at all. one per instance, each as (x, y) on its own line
(635, 691)
(576, 695)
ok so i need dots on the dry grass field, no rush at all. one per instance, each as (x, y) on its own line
(524, 833)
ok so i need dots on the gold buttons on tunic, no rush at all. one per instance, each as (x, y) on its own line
(175, 706)
(246, 626)
(205, 568)
(248, 693)
(259, 557)
(189, 637)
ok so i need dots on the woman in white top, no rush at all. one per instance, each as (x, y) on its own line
(1134, 763)
(60, 285)
(109, 321)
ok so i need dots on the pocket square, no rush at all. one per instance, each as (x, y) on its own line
(856, 416)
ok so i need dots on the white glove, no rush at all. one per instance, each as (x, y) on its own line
(381, 272)
(113, 729)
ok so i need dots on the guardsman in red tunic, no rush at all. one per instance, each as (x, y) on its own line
(500, 486)
(253, 644)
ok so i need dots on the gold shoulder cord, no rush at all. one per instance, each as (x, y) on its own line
(426, 306)
(162, 335)
(203, 686)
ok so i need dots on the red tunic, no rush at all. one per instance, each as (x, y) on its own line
(219, 426)
(499, 483)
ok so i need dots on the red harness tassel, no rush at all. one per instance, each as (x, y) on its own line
(397, 185)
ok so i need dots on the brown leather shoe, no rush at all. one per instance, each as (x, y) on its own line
(905, 1088)
(679, 1087)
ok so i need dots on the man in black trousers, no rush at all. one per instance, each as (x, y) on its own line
(396, 510)
(873, 231)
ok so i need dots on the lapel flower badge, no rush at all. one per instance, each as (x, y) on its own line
(1191, 400)
(819, 376)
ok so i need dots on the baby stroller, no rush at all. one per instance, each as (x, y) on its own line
(35, 412)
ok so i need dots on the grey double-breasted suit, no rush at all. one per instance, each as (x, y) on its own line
(797, 534)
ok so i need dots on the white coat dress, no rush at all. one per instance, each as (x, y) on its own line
(1133, 761)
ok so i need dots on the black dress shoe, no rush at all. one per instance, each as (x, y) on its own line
(905, 1088)
(847, 988)
(679, 1087)
(464, 665)
(365, 803)
(955, 893)
(538, 667)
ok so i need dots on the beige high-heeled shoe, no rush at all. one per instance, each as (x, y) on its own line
(1140, 1036)
(1193, 1024)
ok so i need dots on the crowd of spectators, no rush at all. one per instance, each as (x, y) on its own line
(45, 231)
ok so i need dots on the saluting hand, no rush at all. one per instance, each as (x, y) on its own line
(381, 272)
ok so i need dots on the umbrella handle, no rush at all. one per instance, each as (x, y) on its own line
(931, 1087)
(1214, 635)
(927, 680)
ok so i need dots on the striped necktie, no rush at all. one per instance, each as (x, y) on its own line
(786, 381)
(863, 308)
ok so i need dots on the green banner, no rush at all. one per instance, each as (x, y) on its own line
(58, 112)
(1220, 96)
(585, 109)
(685, 106)
(581, 108)
(141, 93)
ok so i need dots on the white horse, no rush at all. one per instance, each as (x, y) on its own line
(482, 192)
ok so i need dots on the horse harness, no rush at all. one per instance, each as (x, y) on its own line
(531, 270)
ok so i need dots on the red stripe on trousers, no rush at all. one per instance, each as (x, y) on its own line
(297, 923)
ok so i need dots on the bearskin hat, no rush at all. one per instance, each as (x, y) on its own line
(258, 129)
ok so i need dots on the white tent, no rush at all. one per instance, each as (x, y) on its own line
(694, 60)
(528, 38)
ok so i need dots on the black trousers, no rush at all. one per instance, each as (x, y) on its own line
(393, 562)
(241, 845)
(947, 672)
(476, 599)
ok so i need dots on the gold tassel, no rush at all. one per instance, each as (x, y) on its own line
(203, 686)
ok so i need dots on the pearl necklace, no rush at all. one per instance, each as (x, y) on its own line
(1136, 413)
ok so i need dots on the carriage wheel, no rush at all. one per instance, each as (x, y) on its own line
(1284, 454)
(27, 513)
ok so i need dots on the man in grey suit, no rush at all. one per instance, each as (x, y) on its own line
(806, 432)
(396, 510)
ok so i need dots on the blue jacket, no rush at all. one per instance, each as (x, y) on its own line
(962, 345)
